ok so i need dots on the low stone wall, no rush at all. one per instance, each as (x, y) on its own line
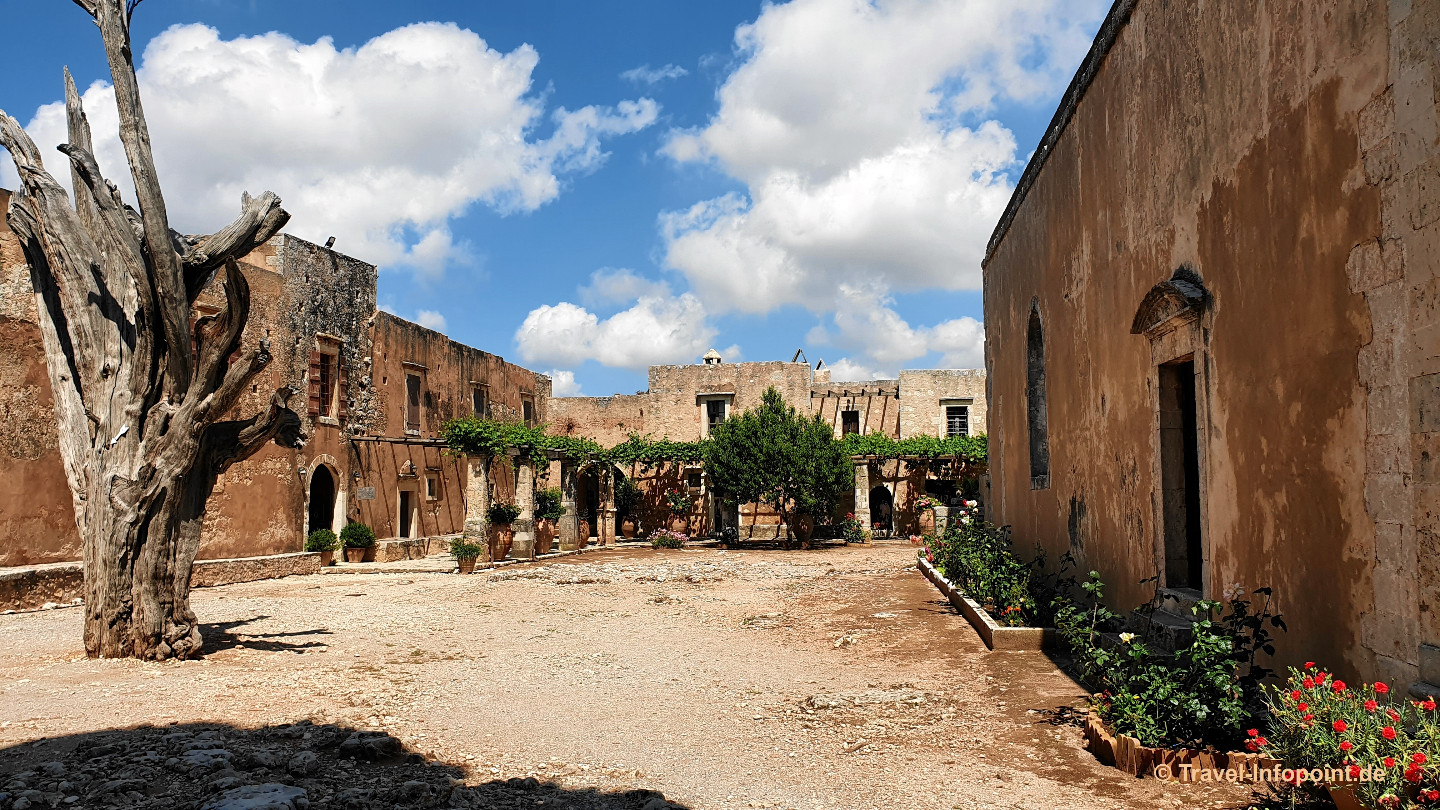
(209, 573)
(417, 549)
(34, 586)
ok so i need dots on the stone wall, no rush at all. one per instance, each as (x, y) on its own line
(877, 403)
(1286, 159)
(925, 393)
(607, 420)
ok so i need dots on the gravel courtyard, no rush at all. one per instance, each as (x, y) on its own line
(834, 678)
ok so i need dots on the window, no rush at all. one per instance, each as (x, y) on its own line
(695, 479)
(527, 408)
(957, 420)
(1035, 401)
(714, 409)
(849, 422)
(432, 487)
(327, 378)
(480, 401)
(412, 403)
(327, 381)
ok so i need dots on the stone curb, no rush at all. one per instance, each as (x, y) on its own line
(994, 635)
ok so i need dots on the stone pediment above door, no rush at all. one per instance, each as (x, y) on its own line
(1172, 303)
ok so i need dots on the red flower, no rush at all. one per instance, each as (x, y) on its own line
(1371, 705)
(1339, 725)
(1295, 694)
(1338, 686)
(1308, 717)
(1251, 745)
(1321, 676)
(1428, 705)
(1308, 683)
(1346, 746)
(1262, 741)
(1418, 758)
(1412, 774)
(1388, 732)
(1394, 715)
(1389, 762)
(1309, 664)
(1432, 794)
(1381, 688)
(1254, 732)
(1354, 771)
(1302, 707)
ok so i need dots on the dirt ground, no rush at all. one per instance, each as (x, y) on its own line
(835, 678)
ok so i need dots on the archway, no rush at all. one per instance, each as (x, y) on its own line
(587, 502)
(882, 510)
(322, 499)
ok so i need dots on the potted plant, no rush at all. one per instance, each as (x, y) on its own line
(664, 538)
(925, 513)
(548, 511)
(851, 530)
(680, 504)
(325, 542)
(501, 534)
(627, 498)
(359, 542)
(465, 553)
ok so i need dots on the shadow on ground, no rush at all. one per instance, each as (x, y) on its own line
(290, 767)
(218, 637)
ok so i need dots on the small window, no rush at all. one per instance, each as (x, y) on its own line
(849, 422)
(412, 403)
(695, 479)
(714, 413)
(527, 407)
(432, 487)
(957, 420)
(480, 401)
(327, 384)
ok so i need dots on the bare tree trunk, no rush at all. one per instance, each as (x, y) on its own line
(140, 390)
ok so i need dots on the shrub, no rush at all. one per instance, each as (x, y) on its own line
(925, 503)
(679, 503)
(503, 513)
(1203, 695)
(664, 538)
(357, 535)
(976, 557)
(548, 504)
(1317, 721)
(321, 540)
(462, 550)
(851, 530)
(627, 495)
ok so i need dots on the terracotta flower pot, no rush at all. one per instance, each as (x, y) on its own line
(680, 524)
(627, 528)
(467, 565)
(355, 555)
(1344, 797)
(927, 521)
(327, 559)
(501, 538)
(544, 536)
(804, 529)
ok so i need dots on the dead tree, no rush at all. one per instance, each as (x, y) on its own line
(141, 387)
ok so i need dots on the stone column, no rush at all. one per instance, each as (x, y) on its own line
(862, 494)
(570, 521)
(477, 502)
(607, 508)
(942, 518)
(524, 546)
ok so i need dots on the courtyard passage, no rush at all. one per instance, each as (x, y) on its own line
(833, 678)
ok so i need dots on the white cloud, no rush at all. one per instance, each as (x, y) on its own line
(856, 126)
(379, 145)
(430, 319)
(847, 370)
(866, 326)
(657, 330)
(648, 75)
(611, 286)
(562, 383)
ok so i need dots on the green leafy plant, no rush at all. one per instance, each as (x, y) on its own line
(627, 495)
(679, 503)
(461, 549)
(851, 530)
(977, 557)
(926, 503)
(548, 504)
(664, 538)
(973, 450)
(776, 456)
(357, 535)
(322, 540)
(503, 513)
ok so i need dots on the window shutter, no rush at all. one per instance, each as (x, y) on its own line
(340, 388)
(314, 384)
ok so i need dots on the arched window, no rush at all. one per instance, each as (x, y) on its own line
(1035, 400)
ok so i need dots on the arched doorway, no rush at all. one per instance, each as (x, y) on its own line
(587, 502)
(882, 510)
(322, 499)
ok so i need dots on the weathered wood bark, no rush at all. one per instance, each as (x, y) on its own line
(140, 390)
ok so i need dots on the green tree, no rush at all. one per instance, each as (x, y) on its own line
(775, 456)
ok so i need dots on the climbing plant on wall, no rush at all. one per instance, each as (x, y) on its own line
(964, 449)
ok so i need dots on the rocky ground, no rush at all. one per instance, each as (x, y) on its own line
(834, 678)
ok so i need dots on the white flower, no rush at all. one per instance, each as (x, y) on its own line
(972, 504)
(1127, 637)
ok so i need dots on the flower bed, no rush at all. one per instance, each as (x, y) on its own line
(995, 635)
(1320, 722)
(1176, 764)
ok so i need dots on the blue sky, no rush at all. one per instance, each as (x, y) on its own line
(588, 188)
